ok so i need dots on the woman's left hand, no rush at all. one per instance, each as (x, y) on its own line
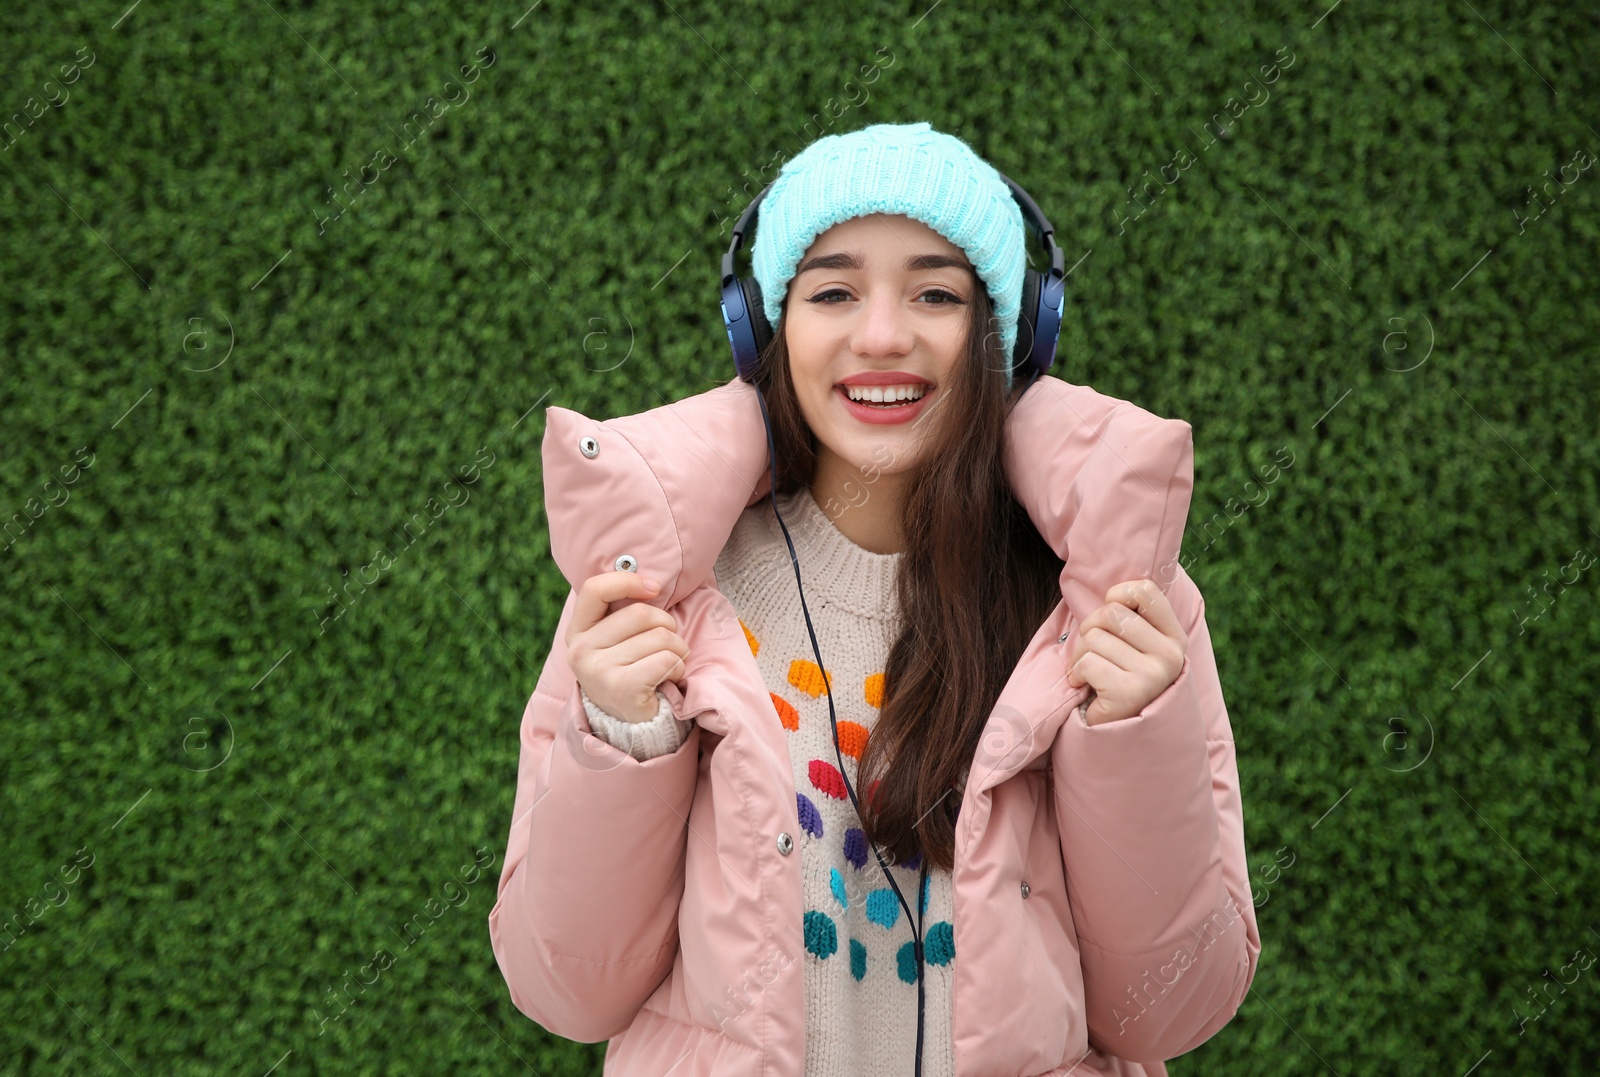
(1128, 651)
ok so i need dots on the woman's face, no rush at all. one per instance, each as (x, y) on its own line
(877, 301)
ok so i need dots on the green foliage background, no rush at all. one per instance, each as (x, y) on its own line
(259, 798)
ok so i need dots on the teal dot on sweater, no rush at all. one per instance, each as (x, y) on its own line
(822, 938)
(938, 948)
(858, 960)
(836, 883)
(907, 960)
(883, 907)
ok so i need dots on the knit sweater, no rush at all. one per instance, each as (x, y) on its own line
(860, 967)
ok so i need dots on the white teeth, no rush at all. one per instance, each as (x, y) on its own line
(879, 394)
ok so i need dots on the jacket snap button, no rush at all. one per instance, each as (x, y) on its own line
(785, 843)
(626, 563)
(1024, 889)
(589, 447)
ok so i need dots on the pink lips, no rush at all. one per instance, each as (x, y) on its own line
(884, 416)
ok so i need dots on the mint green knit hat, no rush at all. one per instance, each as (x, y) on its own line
(909, 169)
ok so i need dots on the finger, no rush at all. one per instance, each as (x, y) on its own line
(679, 672)
(1105, 677)
(1135, 628)
(598, 592)
(1111, 615)
(1118, 652)
(1151, 603)
(1093, 670)
(633, 619)
(1121, 622)
(641, 646)
(655, 668)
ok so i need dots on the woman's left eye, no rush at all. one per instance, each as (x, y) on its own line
(948, 296)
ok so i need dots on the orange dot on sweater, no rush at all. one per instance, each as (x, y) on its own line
(807, 677)
(787, 714)
(874, 690)
(852, 739)
(755, 644)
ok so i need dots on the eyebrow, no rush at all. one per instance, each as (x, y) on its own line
(915, 263)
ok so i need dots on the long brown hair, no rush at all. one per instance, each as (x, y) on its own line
(974, 585)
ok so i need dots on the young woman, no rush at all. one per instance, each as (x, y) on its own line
(987, 833)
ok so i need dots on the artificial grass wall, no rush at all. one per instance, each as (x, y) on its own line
(237, 785)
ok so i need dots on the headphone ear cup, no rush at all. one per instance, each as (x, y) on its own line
(757, 311)
(1027, 322)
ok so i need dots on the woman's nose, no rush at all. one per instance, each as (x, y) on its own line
(885, 327)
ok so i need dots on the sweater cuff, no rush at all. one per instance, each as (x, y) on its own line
(643, 740)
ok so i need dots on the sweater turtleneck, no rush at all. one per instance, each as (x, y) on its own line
(836, 573)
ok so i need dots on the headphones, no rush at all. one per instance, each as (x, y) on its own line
(1038, 329)
(1038, 323)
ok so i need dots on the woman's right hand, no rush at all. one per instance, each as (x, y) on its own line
(620, 657)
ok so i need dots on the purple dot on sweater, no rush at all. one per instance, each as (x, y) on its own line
(855, 846)
(913, 862)
(810, 818)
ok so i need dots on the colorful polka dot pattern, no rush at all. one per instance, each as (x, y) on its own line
(856, 924)
(882, 905)
(938, 945)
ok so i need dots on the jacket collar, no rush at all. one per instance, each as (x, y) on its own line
(1105, 482)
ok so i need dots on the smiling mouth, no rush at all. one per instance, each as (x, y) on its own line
(887, 405)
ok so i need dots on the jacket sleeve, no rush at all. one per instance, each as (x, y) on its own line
(1152, 836)
(585, 921)
(642, 740)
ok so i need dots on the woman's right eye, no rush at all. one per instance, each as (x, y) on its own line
(822, 297)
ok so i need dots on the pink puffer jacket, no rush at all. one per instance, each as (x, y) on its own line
(1103, 912)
